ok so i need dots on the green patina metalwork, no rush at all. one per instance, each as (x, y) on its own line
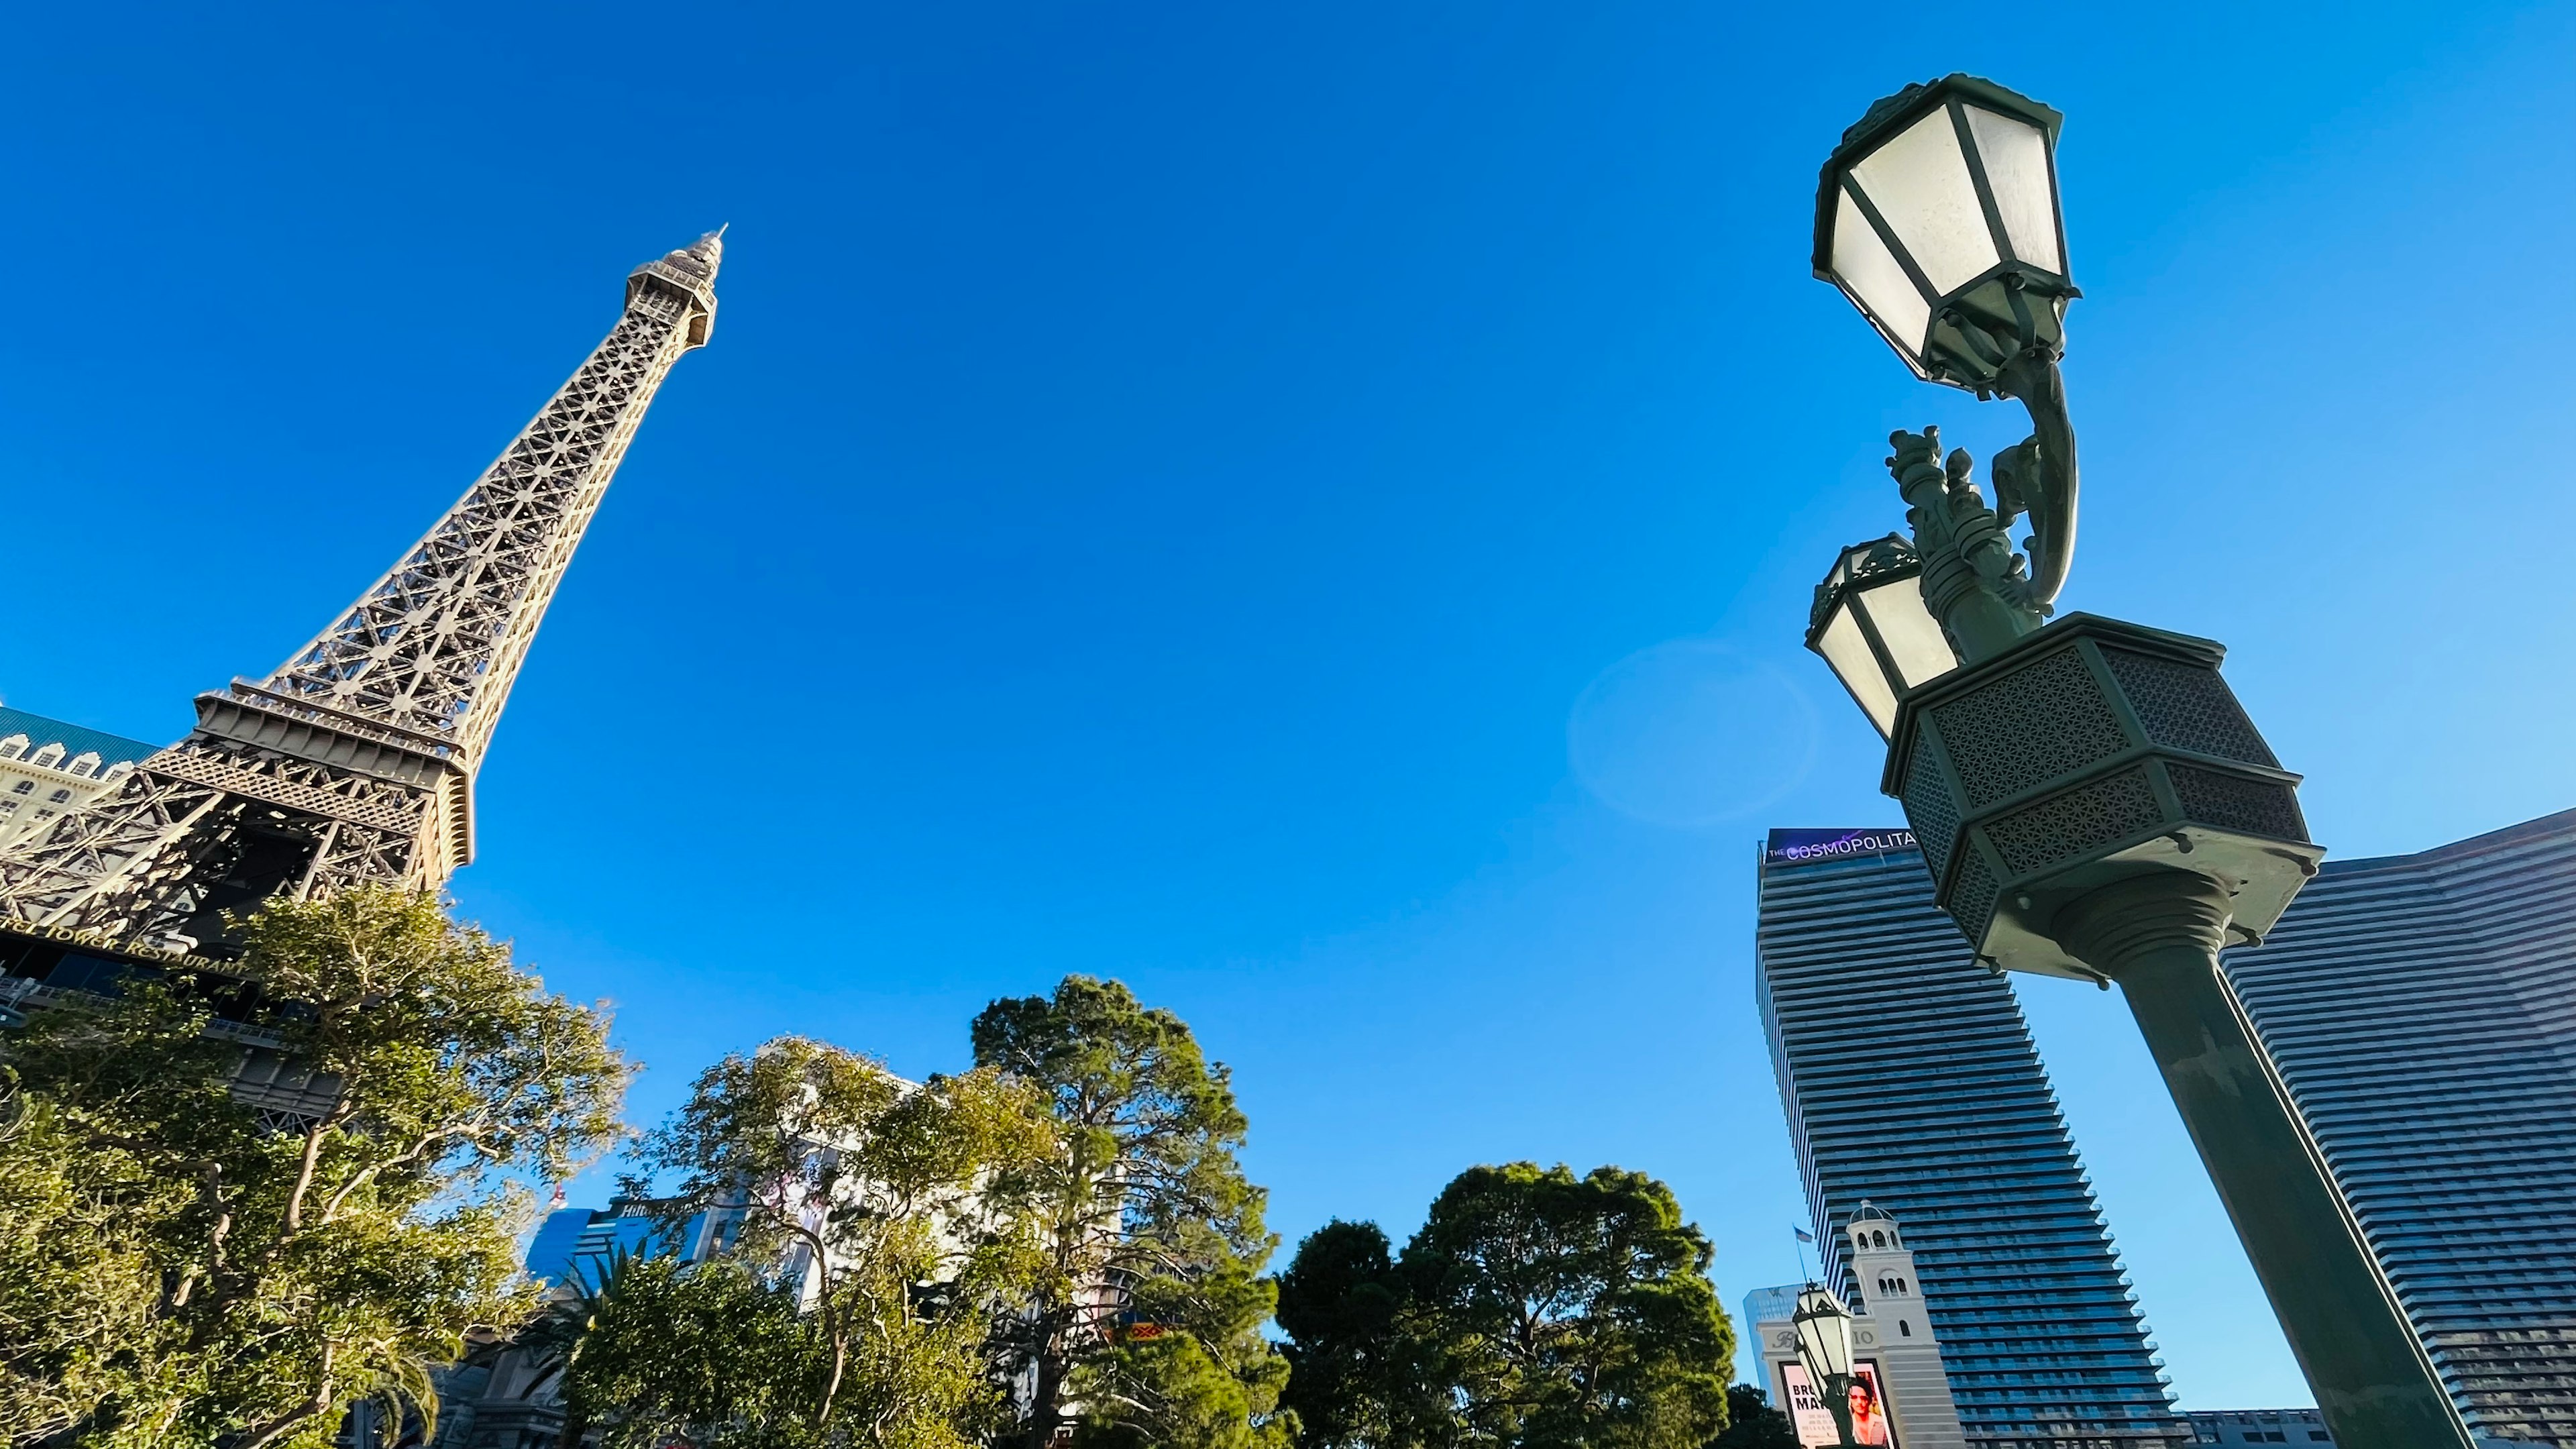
(2093, 802)
(1973, 582)
(1999, 334)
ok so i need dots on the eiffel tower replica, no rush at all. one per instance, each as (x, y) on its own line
(354, 761)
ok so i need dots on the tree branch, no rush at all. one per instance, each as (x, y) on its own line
(277, 1428)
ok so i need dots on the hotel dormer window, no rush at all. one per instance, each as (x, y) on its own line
(12, 747)
(49, 756)
(85, 763)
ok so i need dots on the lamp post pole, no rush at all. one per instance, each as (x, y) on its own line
(2091, 799)
(1836, 1390)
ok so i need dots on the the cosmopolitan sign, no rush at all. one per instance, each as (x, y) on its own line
(1790, 847)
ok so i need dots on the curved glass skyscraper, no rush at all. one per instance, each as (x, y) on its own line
(2422, 1009)
(1910, 1080)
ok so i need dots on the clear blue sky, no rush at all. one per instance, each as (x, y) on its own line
(1307, 509)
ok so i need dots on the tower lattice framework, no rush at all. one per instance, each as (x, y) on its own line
(354, 761)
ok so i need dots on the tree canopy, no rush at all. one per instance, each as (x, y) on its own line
(855, 1303)
(1059, 1241)
(180, 1269)
(1144, 1322)
(1342, 1304)
(1534, 1309)
(1751, 1422)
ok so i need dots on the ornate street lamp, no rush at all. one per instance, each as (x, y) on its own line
(1871, 624)
(1938, 217)
(2090, 798)
(1825, 1351)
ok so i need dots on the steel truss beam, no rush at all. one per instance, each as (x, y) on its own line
(355, 760)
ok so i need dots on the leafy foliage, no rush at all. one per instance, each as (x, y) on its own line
(79, 1279)
(199, 1277)
(1534, 1310)
(713, 1352)
(1143, 1321)
(1751, 1422)
(855, 1304)
(1342, 1305)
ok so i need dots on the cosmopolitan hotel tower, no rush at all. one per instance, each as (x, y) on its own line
(2422, 1009)
(1911, 1083)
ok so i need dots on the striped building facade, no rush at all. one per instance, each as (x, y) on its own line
(1910, 1080)
(2422, 1009)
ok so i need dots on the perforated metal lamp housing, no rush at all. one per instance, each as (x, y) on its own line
(1871, 625)
(1938, 217)
(1824, 1337)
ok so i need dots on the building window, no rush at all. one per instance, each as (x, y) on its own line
(1904, 1329)
(85, 763)
(12, 747)
(60, 796)
(23, 787)
(49, 756)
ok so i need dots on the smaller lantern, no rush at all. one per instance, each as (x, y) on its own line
(1825, 1348)
(1824, 1335)
(1938, 216)
(1871, 625)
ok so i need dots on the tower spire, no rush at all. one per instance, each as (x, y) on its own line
(355, 759)
(435, 644)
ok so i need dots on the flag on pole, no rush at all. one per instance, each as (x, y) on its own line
(1803, 1235)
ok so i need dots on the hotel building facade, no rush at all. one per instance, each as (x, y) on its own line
(2422, 1010)
(1911, 1084)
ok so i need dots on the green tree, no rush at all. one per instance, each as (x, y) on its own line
(79, 1277)
(1535, 1310)
(1570, 1311)
(1342, 1304)
(1147, 1304)
(255, 1279)
(1751, 1422)
(714, 1354)
(866, 1273)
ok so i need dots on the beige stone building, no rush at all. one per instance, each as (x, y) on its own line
(48, 767)
(1893, 1345)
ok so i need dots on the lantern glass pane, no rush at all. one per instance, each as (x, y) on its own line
(1864, 266)
(1836, 1354)
(1811, 1348)
(1919, 182)
(1824, 1335)
(1915, 643)
(2016, 157)
(1849, 653)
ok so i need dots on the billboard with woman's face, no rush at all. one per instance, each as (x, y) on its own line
(1815, 1423)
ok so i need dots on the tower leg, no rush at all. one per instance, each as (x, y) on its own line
(2158, 936)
